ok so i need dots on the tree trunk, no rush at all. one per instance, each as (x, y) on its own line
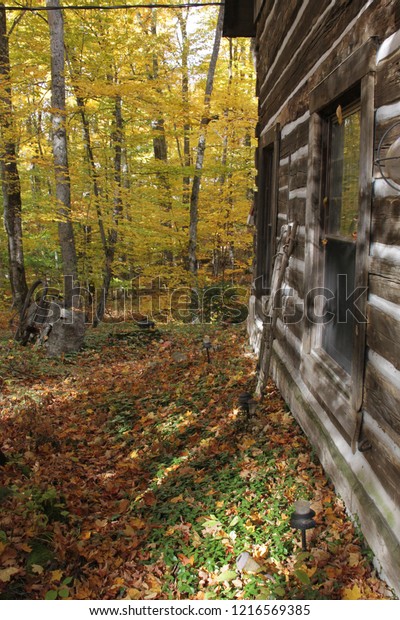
(187, 160)
(201, 147)
(10, 176)
(117, 138)
(160, 146)
(63, 186)
(92, 169)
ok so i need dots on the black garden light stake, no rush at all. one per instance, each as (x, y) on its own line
(244, 402)
(207, 346)
(146, 324)
(302, 519)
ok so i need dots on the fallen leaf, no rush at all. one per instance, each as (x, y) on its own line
(149, 499)
(185, 561)
(175, 500)
(123, 505)
(56, 575)
(354, 559)
(302, 576)
(238, 583)
(352, 594)
(227, 575)
(133, 594)
(7, 573)
(37, 569)
(137, 523)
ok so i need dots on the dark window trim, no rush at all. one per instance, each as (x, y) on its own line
(270, 140)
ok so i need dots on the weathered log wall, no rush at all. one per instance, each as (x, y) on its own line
(299, 43)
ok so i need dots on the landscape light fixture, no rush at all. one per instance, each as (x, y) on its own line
(389, 166)
(247, 403)
(244, 402)
(302, 519)
(207, 346)
(146, 324)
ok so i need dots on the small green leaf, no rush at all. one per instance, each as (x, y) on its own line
(211, 523)
(51, 595)
(302, 576)
(234, 521)
(227, 575)
(63, 592)
(280, 591)
(301, 558)
(67, 580)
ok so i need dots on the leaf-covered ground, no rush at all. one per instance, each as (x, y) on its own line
(132, 475)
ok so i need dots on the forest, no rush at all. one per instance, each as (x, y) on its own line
(128, 149)
(134, 462)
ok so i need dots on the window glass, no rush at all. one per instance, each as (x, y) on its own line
(342, 204)
(344, 166)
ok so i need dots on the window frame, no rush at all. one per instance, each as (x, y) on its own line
(266, 214)
(330, 342)
(343, 392)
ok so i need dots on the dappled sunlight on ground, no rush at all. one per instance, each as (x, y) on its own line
(133, 475)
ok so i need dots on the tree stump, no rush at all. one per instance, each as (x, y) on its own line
(66, 334)
(45, 321)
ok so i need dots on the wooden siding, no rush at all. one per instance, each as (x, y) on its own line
(382, 393)
(320, 39)
(302, 59)
(388, 80)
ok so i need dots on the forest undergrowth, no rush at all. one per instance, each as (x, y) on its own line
(132, 474)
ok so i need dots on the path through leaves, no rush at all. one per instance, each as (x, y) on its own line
(132, 475)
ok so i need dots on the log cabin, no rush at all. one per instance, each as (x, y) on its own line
(328, 86)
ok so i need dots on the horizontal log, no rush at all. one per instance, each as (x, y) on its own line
(384, 268)
(388, 80)
(386, 220)
(382, 399)
(385, 288)
(288, 338)
(385, 118)
(331, 389)
(348, 73)
(271, 39)
(295, 139)
(383, 335)
(274, 93)
(383, 457)
(297, 210)
(295, 278)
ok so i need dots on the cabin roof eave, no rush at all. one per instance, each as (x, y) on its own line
(239, 18)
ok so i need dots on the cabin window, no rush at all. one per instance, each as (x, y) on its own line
(265, 221)
(266, 213)
(340, 221)
(337, 227)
